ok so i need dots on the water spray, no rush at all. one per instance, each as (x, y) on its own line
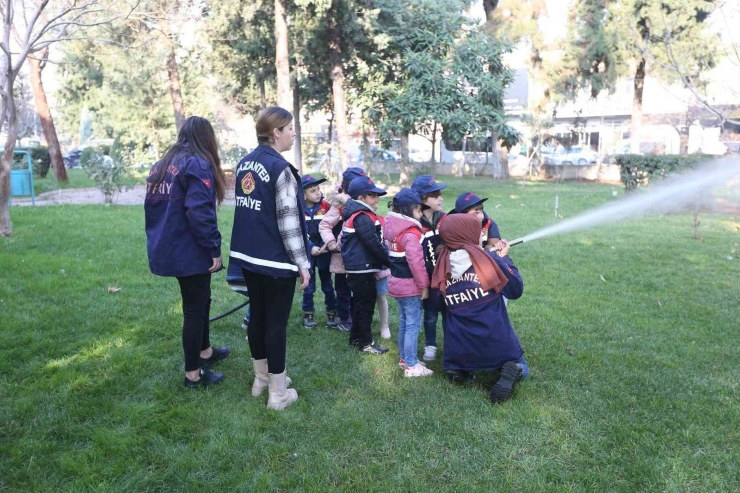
(671, 194)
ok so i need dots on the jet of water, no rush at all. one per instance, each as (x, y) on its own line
(672, 193)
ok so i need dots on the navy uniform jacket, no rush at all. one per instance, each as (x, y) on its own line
(363, 249)
(313, 216)
(478, 333)
(181, 225)
(256, 243)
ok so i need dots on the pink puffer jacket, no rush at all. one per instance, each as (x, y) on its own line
(395, 225)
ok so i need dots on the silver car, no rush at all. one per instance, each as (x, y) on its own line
(581, 156)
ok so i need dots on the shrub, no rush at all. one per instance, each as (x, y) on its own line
(40, 157)
(106, 171)
(639, 171)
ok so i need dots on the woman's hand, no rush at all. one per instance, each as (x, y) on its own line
(424, 294)
(217, 264)
(502, 248)
(305, 278)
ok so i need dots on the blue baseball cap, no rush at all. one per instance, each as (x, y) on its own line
(426, 184)
(310, 181)
(352, 173)
(407, 196)
(466, 201)
(363, 185)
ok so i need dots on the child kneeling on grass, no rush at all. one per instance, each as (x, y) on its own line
(470, 283)
(409, 281)
(364, 255)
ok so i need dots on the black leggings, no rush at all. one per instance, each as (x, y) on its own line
(270, 299)
(196, 308)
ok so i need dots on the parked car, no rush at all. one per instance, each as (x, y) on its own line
(581, 156)
(380, 155)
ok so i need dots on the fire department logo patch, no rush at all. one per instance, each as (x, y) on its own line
(248, 183)
(207, 182)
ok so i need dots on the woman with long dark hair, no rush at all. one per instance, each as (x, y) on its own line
(183, 241)
(269, 243)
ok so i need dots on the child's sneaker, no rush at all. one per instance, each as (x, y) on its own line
(430, 353)
(385, 333)
(373, 348)
(418, 370)
(344, 326)
(402, 364)
(504, 387)
(331, 319)
(245, 323)
(308, 321)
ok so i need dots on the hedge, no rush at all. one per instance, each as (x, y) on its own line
(637, 170)
(39, 155)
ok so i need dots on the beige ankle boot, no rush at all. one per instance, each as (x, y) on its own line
(280, 395)
(261, 380)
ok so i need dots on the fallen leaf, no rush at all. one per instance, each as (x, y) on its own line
(602, 278)
(660, 304)
(512, 196)
(113, 289)
(498, 205)
(378, 372)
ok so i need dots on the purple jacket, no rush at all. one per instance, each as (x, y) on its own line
(407, 256)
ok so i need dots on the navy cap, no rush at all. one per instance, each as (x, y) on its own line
(466, 201)
(407, 196)
(352, 173)
(310, 181)
(426, 184)
(363, 185)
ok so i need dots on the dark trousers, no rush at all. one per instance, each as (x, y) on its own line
(270, 299)
(363, 306)
(196, 309)
(344, 297)
(326, 286)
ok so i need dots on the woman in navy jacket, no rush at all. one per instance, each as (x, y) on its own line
(183, 240)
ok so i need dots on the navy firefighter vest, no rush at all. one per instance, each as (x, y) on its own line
(256, 244)
(397, 253)
(356, 259)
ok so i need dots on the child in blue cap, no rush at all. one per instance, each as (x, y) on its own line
(315, 210)
(364, 255)
(330, 230)
(470, 203)
(430, 192)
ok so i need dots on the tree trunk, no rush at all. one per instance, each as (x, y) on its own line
(433, 163)
(263, 95)
(282, 61)
(367, 157)
(337, 89)
(47, 122)
(405, 179)
(6, 227)
(636, 120)
(297, 125)
(174, 81)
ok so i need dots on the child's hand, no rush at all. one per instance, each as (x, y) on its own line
(332, 247)
(424, 293)
(502, 248)
(315, 251)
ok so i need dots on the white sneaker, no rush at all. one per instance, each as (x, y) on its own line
(385, 333)
(402, 364)
(418, 370)
(430, 353)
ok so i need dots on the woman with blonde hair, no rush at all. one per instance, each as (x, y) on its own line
(269, 243)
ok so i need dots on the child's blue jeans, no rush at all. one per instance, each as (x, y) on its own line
(409, 326)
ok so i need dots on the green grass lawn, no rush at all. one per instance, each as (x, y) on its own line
(634, 378)
(79, 179)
